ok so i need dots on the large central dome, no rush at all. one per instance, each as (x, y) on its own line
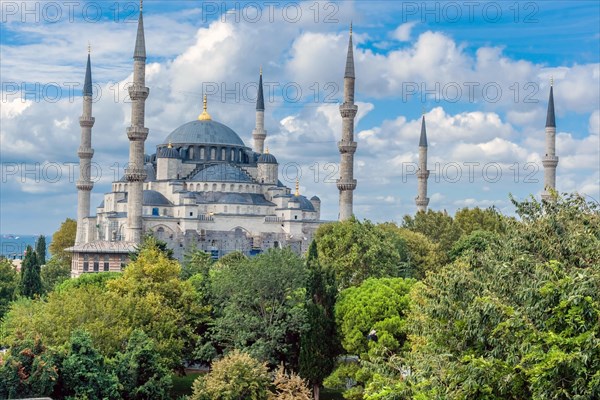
(204, 132)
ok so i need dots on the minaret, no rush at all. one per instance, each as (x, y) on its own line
(347, 146)
(137, 134)
(422, 174)
(85, 153)
(259, 134)
(550, 160)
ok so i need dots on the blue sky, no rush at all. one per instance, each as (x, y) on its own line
(514, 47)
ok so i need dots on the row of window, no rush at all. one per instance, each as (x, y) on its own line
(226, 154)
(94, 260)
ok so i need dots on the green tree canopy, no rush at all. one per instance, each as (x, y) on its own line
(53, 273)
(31, 281)
(63, 238)
(319, 344)
(521, 320)
(259, 306)
(357, 250)
(40, 249)
(237, 376)
(9, 285)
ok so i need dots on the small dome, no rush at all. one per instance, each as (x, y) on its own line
(267, 158)
(168, 152)
(150, 172)
(204, 132)
(154, 198)
(305, 204)
(315, 198)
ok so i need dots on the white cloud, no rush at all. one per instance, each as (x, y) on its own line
(402, 32)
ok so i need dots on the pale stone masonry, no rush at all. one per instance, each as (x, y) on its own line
(347, 146)
(135, 173)
(422, 173)
(550, 160)
(84, 184)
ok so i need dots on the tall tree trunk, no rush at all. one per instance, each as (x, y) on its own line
(316, 391)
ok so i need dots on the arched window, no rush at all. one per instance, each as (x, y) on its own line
(232, 155)
(213, 153)
(191, 153)
(202, 153)
(223, 156)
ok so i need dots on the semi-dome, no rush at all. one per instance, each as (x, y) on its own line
(267, 158)
(168, 152)
(204, 132)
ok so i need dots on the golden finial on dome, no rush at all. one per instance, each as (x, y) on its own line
(267, 150)
(170, 145)
(205, 116)
(297, 187)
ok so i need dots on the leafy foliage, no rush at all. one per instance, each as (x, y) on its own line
(31, 282)
(9, 283)
(357, 250)
(29, 370)
(63, 238)
(53, 273)
(289, 387)
(40, 249)
(319, 344)
(258, 306)
(520, 320)
(84, 372)
(140, 372)
(237, 376)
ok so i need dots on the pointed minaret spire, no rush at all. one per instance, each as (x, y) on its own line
(84, 184)
(137, 134)
(349, 73)
(347, 146)
(259, 134)
(422, 173)
(140, 42)
(550, 160)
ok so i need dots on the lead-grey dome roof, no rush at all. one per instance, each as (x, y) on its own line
(267, 158)
(204, 132)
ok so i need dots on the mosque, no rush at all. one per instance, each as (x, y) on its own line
(205, 188)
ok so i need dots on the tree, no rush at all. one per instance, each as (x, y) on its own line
(420, 254)
(28, 371)
(437, 226)
(372, 324)
(84, 372)
(63, 238)
(477, 219)
(31, 282)
(196, 262)
(9, 284)
(521, 319)
(237, 376)
(357, 250)
(149, 241)
(40, 249)
(289, 387)
(259, 306)
(140, 372)
(53, 273)
(319, 344)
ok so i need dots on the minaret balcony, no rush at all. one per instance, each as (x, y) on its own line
(550, 161)
(84, 185)
(135, 174)
(347, 147)
(348, 110)
(346, 184)
(422, 202)
(86, 122)
(138, 92)
(85, 152)
(137, 133)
